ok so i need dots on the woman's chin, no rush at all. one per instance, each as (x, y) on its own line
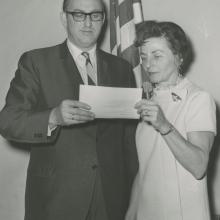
(153, 80)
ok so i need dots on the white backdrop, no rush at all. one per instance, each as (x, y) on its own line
(27, 24)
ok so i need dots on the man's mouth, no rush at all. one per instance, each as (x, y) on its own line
(86, 31)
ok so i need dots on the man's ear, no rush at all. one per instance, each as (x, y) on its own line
(103, 21)
(63, 18)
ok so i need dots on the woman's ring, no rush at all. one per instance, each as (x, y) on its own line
(146, 113)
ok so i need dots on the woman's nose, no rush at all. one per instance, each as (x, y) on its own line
(147, 63)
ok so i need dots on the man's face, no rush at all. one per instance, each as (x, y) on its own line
(83, 34)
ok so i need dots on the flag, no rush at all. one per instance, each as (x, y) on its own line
(124, 15)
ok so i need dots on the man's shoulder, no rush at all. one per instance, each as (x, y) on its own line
(120, 70)
(42, 55)
(113, 58)
(45, 51)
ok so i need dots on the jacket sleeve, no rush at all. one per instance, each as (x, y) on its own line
(130, 151)
(24, 118)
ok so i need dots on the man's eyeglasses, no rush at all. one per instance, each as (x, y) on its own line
(81, 16)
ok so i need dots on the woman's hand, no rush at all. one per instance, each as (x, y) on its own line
(152, 113)
(192, 152)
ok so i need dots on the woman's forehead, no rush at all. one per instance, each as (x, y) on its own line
(155, 43)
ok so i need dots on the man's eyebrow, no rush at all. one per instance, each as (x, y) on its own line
(79, 10)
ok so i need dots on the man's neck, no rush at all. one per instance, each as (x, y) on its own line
(90, 49)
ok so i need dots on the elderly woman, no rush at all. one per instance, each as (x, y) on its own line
(175, 134)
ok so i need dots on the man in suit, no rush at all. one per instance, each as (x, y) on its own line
(81, 168)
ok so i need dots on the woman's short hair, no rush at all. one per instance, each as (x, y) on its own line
(177, 40)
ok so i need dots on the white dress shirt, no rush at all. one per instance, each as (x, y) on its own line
(80, 60)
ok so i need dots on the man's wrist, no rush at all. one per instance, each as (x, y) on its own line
(51, 124)
(52, 119)
(50, 129)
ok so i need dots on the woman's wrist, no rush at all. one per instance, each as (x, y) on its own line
(166, 129)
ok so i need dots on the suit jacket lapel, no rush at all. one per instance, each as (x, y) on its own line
(69, 64)
(62, 79)
(75, 79)
(103, 75)
(104, 79)
(71, 69)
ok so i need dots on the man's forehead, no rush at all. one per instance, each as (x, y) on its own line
(84, 4)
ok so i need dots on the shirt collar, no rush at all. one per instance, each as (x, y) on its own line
(178, 92)
(76, 51)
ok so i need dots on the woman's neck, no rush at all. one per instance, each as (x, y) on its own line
(175, 81)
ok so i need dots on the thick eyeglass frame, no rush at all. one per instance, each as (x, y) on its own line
(84, 15)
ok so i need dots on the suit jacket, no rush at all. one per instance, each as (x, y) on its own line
(62, 168)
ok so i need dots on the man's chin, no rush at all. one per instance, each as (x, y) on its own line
(88, 43)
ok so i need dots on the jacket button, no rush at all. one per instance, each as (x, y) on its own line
(95, 166)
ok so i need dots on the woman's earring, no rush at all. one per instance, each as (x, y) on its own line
(180, 67)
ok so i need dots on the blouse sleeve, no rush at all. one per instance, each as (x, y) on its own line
(201, 114)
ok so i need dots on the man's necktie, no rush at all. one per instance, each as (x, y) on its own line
(90, 70)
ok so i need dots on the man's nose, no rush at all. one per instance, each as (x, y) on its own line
(88, 21)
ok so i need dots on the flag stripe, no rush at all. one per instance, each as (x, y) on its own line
(125, 12)
(138, 16)
(127, 30)
(123, 16)
(137, 1)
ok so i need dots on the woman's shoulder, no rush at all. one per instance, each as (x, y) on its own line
(193, 90)
(197, 96)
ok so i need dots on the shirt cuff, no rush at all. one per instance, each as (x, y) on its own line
(50, 130)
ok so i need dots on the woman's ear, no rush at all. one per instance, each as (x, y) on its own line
(178, 61)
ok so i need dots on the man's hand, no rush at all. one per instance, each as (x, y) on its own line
(70, 112)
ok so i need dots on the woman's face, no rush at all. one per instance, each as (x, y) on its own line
(159, 61)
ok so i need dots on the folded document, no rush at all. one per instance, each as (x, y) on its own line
(111, 102)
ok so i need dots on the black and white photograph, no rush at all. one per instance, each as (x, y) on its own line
(109, 110)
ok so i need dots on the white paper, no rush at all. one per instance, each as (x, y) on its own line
(111, 102)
